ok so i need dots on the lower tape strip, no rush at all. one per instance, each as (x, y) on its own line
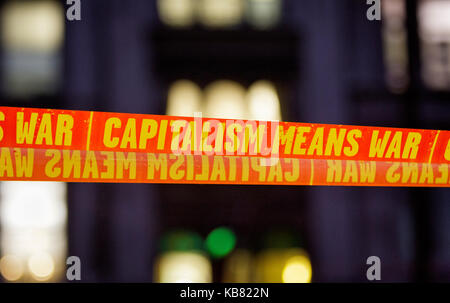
(30, 164)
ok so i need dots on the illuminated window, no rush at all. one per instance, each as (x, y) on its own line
(177, 13)
(395, 44)
(32, 33)
(225, 99)
(434, 30)
(263, 101)
(184, 99)
(33, 218)
(183, 267)
(32, 26)
(220, 13)
(263, 14)
(283, 266)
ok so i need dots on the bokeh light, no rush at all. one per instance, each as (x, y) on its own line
(177, 13)
(434, 31)
(33, 218)
(238, 267)
(32, 26)
(11, 268)
(183, 267)
(297, 270)
(225, 99)
(33, 204)
(263, 101)
(395, 45)
(41, 266)
(184, 99)
(32, 35)
(263, 14)
(283, 265)
(182, 241)
(220, 13)
(435, 20)
(220, 242)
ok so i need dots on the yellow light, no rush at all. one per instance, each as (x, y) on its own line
(32, 26)
(282, 265)
(220, 13)
(297, 270)
(270, 266)
(177, 13)
(263, 100)
(184, 99)
(11, 268)
(263, 14)
(225, 99)
(238, 267)
(183, 267)
(41, 266)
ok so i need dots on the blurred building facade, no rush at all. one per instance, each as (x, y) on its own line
(328, 64)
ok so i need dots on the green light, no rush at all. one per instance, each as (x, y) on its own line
(220, 242)
(181, 240)
(280, 238)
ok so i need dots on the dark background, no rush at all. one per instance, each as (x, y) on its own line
(328, 62)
